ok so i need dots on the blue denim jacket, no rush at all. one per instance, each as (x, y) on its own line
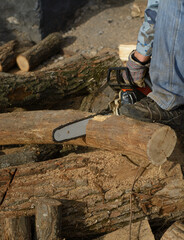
(146, 33)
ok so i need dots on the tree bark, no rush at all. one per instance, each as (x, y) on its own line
(140, 231)
(48, 219)
(27, 154)
(17, 228)
(46, 88)
(95, 190)
(144, 142)
(8, 55)
(40, 52)
(9, 52)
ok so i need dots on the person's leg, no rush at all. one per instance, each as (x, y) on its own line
(167, 69)
(167, 64)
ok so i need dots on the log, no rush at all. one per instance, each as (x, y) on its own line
(143, 142)
(140, 230)
(175, 231)
(17, 228)
(48, 219)
(30, 153)
(53, 86)
(94, 189)
(9, 52)
(7, 55)
(40, 52)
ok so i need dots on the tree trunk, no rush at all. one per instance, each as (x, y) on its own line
(143, 142)
(40, 52)
(48, 219)
(95, 190)
(17, 228)
(46, 88)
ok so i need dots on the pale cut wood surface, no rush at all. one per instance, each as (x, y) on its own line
(40, 52)
(125, 50)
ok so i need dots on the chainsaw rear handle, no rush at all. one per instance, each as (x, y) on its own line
(119, 77)
(121, 82)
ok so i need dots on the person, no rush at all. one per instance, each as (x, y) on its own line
(160, 48)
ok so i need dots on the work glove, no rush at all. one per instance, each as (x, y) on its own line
(137, 70)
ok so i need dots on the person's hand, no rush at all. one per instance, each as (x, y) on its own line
(138, 66)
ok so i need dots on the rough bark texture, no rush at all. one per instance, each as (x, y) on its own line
(48, 87)
(140, 231)
(40, 52)
(48, 219)
(9, 52)
(26, 154)
(17, 228)
(95, 190)
(144, 142)
(8, 55)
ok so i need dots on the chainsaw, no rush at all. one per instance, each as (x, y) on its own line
(126, 93)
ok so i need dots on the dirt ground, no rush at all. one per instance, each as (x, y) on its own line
(102, 24)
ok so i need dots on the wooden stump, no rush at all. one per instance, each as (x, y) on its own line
(17, 228)
(48, 219)
(40, 52)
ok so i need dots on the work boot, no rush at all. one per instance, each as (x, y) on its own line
(148, 110)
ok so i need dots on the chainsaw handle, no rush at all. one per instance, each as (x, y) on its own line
(119, 77)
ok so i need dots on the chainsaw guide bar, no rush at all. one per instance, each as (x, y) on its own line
(71, 130)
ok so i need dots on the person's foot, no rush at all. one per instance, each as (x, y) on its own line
(148, 110)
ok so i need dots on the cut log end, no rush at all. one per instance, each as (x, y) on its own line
(23, 63)
(161, 145)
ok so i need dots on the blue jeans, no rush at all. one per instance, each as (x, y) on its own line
(167, 64)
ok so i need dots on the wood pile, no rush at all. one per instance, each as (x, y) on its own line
(124, 178)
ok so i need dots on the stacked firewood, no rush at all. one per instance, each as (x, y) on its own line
(124, 181)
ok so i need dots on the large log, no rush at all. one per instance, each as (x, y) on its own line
(95, 190)
(74, 76)
(143, 142)
(40, 52)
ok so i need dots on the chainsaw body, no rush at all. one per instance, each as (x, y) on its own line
(127, 92)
